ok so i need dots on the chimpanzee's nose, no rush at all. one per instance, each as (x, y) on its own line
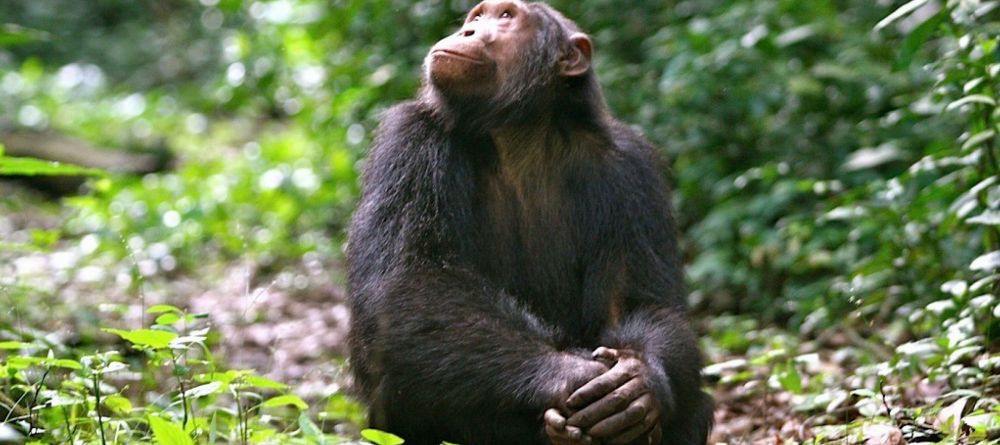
(478, 30)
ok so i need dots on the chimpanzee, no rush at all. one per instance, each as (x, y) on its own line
(513, 264)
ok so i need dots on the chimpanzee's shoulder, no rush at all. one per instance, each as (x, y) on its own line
(633, 148)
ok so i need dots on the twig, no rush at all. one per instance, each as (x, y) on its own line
(14, 407)
(184, 401)
(31, 406)
(97, 407)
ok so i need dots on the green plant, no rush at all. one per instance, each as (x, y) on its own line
(64, 400)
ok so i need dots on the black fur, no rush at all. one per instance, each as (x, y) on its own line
(473, 271)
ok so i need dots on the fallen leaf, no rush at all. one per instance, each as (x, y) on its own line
(883, 435)
(950, 418)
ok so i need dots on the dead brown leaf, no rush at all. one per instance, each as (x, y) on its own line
(883, 435)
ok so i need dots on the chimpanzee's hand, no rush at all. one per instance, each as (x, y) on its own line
(562, 434)
(617, 407)
(576, 372)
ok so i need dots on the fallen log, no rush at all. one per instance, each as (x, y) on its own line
(56, 147)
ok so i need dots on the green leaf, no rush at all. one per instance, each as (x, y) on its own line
(983, 422)
(167, 433)
(916, 39)
(118, 404)
(987, 218)
(11, 166)
(978, 139)
(381, 437)
(10, 435)
(167, 319)
(284, 400)
(988, 262)
(263, 382)
(163, 308)
(114, 367)
(203, 390)
(221, 377)
(11, 35)
(310, 430)
(789, 378)
(145, 337)
(14, 345)
(975, 98)
(64, 363)
(20, 361)
(899, 13)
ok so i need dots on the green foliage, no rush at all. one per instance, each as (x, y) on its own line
(167, 433)
(12, 35)
(68, 400)
(17, 166)
(835, 166)
(381, 437)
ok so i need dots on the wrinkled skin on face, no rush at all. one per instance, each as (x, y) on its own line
(475, 60)
(505, 49)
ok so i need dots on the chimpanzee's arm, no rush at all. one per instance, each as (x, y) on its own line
(434, 346)
(652, 336)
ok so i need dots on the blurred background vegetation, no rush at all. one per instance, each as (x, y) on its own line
(835, 165)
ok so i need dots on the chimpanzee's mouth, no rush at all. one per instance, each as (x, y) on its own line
(456, 55)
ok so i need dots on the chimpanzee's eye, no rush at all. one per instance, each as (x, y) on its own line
(506, 15)
(477, 17)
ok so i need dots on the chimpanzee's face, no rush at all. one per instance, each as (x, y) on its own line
(477, 60)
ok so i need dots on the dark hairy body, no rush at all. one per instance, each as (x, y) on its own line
(513, 265)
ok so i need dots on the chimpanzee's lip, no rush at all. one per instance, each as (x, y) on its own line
(456, 55)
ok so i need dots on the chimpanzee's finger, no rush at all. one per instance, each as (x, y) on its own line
(620, 422)
(598, 387)
(605, 355)
(613, 403)
(555, 419)
(561, 434)
(647, 426)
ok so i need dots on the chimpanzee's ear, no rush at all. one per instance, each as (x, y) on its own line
(576, 61)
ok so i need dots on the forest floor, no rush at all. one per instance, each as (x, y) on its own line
(291, 326)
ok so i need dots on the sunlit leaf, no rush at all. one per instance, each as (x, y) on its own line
(381, 437)
(9, 435)
(203, 390)
(11, 35)
(145, 337)
(873, 157)
(118, 404)
(978, 139)
(63, 363)
(284, 400)
(973, 99)
(983, 422)
(167, 433)
(989, 261)
(11, 166)
(789, 378)
(918, 348)
(263, 383)
(310, 430)
(916, 39)
(162, 308)
(167, 319)
(988, 217)
(900, 12)
(115, 367)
